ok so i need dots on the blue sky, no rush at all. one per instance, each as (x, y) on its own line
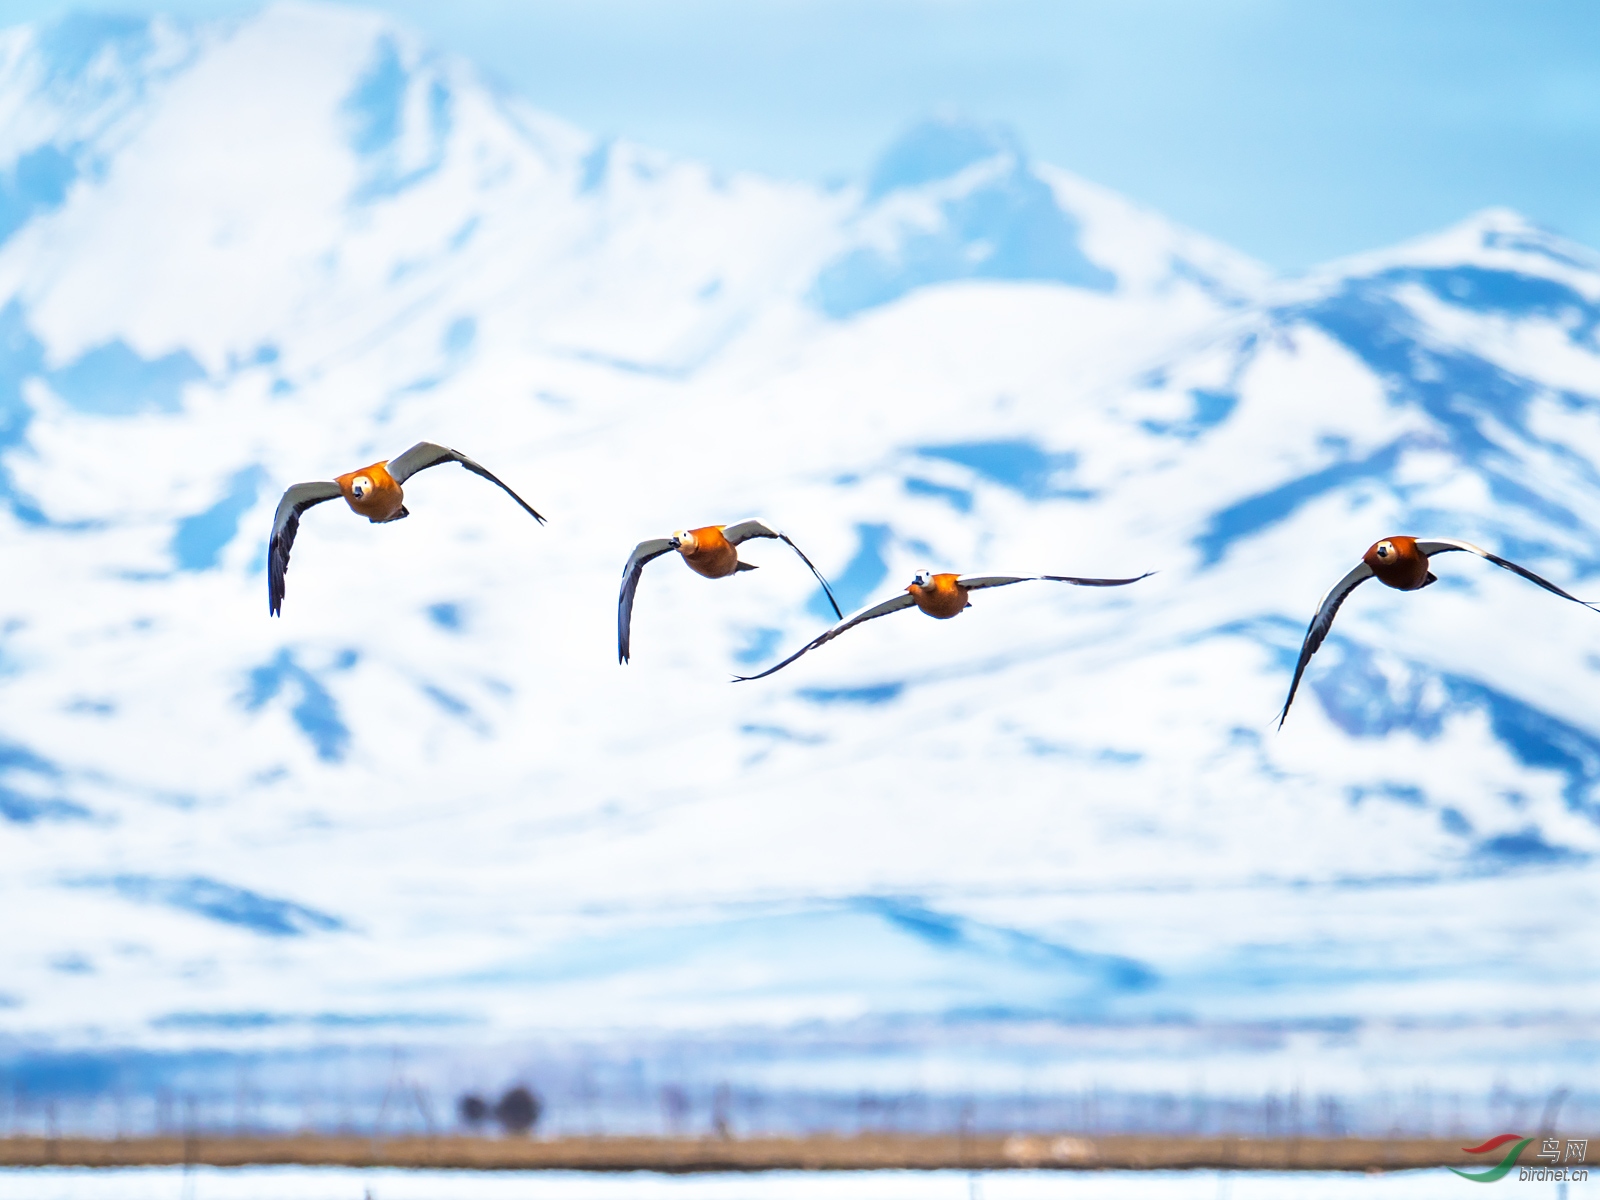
(1297, 130)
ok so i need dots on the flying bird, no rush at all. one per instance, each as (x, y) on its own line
(941, 596)
(374, 492)
(1401, 563)
(711, 551)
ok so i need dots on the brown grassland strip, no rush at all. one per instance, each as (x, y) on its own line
(818, 1153)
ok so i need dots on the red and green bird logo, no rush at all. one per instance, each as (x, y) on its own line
(1506, 1163)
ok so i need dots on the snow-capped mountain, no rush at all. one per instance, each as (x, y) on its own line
(238, 255)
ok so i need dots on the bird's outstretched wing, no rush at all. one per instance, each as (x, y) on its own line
(285, 524)
(425, 454)
(989, 581)
(642, 553)
(877, 610)
(1320, 624)
(1445, 545)
(745, 530)
(978, 582)
(1085, 581)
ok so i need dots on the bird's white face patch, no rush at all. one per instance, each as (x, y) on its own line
(685, 540)
(361, 487)
(923, 579)
(1384, 550)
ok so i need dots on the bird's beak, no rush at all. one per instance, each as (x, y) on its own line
(677, 543)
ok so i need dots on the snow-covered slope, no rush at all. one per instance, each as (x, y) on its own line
(236, 256)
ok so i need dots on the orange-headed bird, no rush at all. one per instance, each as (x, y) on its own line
(1400, 563)
(712, 551)
(940, 596)
(374, 492)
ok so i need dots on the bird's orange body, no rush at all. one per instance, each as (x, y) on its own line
(708, 553)
(1397, 563)
(380, 500)
(944, 599)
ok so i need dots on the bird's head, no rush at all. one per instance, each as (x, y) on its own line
(1391, 552)
(923, 579)
(361, 487)
(684, 542)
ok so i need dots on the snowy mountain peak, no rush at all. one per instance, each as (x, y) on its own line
(1496, 239)
(949, 201)
(939, 149)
